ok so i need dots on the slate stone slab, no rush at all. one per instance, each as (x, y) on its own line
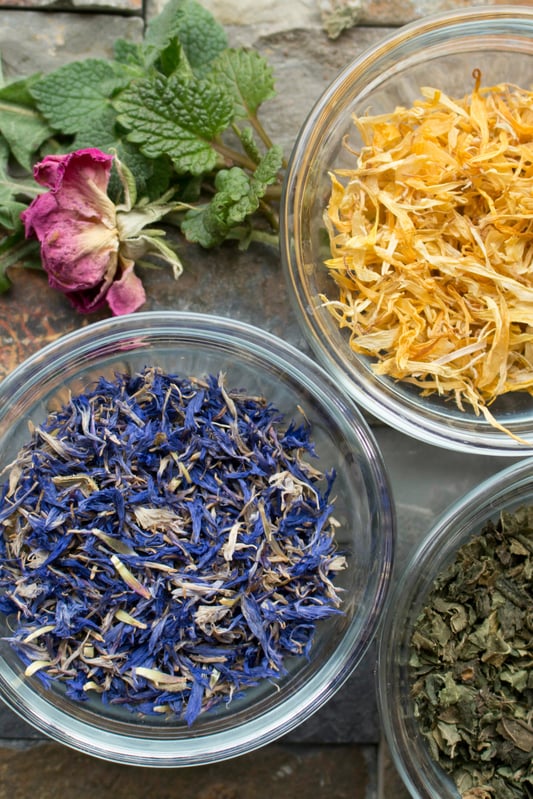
(288, 772)
(332, 16)
(33, 41)
(117, 6)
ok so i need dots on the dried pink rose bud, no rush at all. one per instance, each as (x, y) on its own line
(79, 229)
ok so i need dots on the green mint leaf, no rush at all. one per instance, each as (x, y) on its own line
(177, 118)
(250, 145)
(12, 192)
(22, 126)
(234, 200)
(246, 76)
(15, 250)
(13, 245)
(5, 282)
(200, 35)
(76, 91)
(237, 197)
(172, 60)
(10, 212)
(128, 53)
(98, 130)
(269, 168)
(19, 91)
(204, 226)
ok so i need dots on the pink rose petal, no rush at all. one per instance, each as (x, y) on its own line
(127, 294)
(76, 225)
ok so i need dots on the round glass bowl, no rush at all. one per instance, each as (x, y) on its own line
(442, 51)
(261, 365)
(505, 491)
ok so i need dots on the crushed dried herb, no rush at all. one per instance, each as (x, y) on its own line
(431, 236)
(166, 544)
(471, 663)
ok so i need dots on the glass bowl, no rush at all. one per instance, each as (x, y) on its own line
(506, 491)
(441, 51)
(261, 365)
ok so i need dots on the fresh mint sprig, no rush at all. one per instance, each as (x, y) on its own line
(180, 110)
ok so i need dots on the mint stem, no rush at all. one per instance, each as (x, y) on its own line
(263, 135)
(269, 213)
(259, 236)
(273, 193)
(234, 157)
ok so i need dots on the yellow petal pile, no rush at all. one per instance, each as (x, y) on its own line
(431, 240)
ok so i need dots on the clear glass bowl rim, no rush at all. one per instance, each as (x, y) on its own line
(506, 489)
(472, 435)
(277, 721)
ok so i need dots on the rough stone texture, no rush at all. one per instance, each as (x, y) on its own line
(282, 15)
(33, 41)
(344, 772)
(305, 59)
(117, 6)
(334, 16)
(389, 786)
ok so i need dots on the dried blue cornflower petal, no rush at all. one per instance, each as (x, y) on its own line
(166, 544)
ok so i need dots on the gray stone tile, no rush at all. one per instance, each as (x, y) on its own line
(350, 716)
(49, 771)
(117, 6)
(33, 41)
(390, 784)
(333, 16)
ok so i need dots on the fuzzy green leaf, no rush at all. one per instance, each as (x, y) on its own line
(200, 35)
(14, 192)
(21, 124)
(5, 282)
(173, 60)
(72, 94)
(176, 118)
(19, 91)
(15, 250)
(250, 145)
(246, 76)
(269, 167)
(130, 53)
(237, 196)
(10, 211)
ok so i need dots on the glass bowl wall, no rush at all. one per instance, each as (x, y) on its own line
(251, 359)
(441, 51)
(505, 491)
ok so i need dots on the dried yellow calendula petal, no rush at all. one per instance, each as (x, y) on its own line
(431, 237)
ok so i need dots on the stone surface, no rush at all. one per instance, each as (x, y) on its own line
(33, 41)
(280, 15)
(333, 16)
(389, 786)
(343, 772)
(116, 6)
